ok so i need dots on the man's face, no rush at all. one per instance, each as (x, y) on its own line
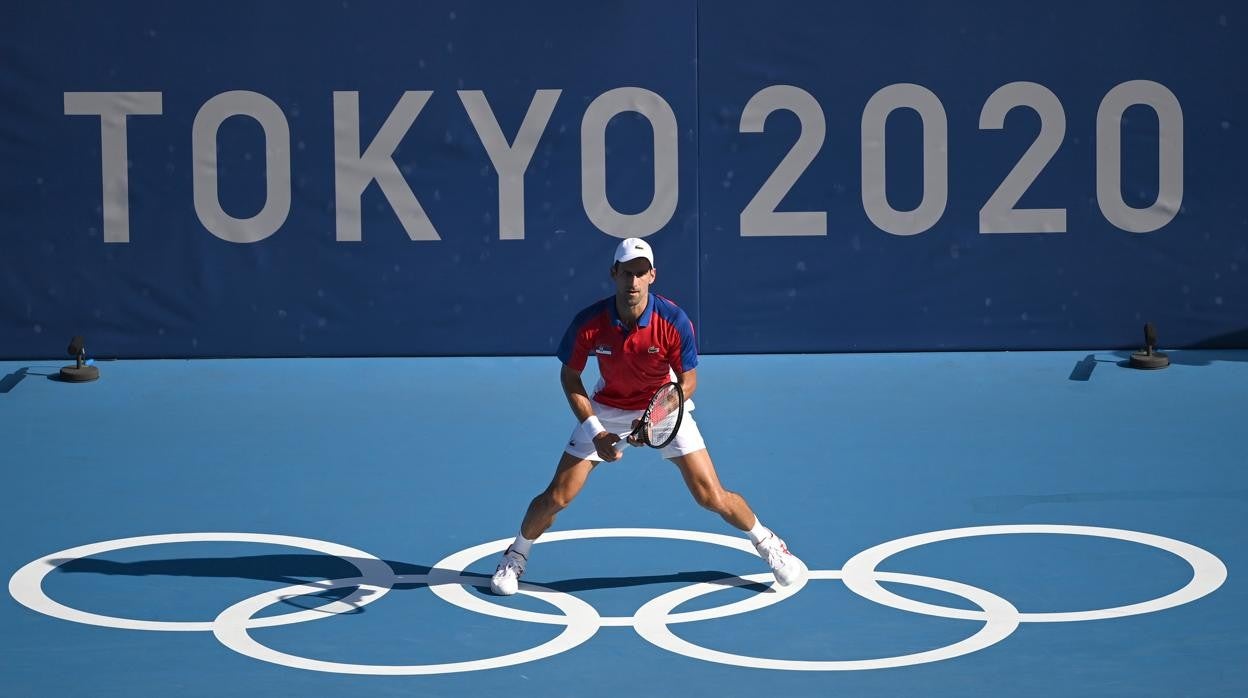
(632, 280)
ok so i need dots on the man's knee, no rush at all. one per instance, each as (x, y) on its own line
(556, 499)
(712, 498)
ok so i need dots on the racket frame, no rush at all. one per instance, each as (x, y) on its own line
(641, 432)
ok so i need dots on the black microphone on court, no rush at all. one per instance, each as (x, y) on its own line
(77, 349)
(1149, 357)
(81, 371)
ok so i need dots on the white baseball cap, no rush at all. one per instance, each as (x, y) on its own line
(633, 248)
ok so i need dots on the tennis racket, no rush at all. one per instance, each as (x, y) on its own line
(661, 420)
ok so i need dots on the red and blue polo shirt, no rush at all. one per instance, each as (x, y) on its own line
(633, 364)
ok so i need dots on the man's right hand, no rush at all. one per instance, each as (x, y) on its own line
(605, 443)
(632, 440)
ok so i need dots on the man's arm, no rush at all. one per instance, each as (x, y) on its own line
(574, 389)
(578, 400)
(688, 382)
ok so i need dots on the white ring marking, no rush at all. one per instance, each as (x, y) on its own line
(455, 565)
(1208, 572)
(231, 627)
(1002, 620)
(26, 585)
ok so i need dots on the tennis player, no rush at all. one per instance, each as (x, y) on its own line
(641, 341)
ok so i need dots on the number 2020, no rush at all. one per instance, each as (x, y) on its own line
(999, 214)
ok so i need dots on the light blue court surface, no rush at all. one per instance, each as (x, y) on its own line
(386, 468)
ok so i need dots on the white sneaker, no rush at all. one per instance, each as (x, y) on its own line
(787, 568)
(506, 579)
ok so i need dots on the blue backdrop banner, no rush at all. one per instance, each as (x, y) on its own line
(918, 175)
(446, 178)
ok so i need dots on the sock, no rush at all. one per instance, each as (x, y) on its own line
(759, 533)
(522, 545)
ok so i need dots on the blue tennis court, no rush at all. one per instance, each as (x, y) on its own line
(328, 527)
(329, 256)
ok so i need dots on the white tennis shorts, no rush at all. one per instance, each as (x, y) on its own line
(688, 438)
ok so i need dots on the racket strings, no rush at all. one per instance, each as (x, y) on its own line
(664, 416)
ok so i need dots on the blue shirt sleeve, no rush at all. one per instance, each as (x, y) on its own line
(683, 357)
(688, 344)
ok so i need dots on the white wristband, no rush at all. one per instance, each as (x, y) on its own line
(592, 426)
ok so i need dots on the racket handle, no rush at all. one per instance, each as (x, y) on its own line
(622, 445)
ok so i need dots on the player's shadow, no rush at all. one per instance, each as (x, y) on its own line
(287, 570)
(298, 569)
(592, 583)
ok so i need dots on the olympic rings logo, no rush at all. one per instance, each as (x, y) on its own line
(447, 579)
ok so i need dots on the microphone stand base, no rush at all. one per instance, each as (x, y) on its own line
(74, 374)
(1143, 359)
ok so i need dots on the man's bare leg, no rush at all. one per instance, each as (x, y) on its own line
(703, 483)
(570, 477)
